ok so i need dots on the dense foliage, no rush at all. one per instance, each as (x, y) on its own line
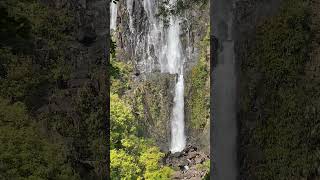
(35, 65)
(132, 156)
(282, 98)
(24, 152)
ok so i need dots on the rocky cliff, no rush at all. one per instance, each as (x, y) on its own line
(133, 25)
(54, 83)
(276, 47)
(81, 91)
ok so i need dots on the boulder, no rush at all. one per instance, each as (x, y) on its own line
(186, 162)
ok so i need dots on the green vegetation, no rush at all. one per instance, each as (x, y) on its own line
(24, 26)
(285, 98)
(34, 65)
(24, 152)
(132, 156)
(199, 90)
(120, 78)
(204, 166)
(42, 139)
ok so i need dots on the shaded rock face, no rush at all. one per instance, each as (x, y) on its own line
(89, 31)
(157, 100)
(253, 153)
(248, 15)
(86, 50)
(187, 163)
(87, 36)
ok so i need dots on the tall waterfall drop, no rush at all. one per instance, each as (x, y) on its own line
(158, 48)
(175, 59)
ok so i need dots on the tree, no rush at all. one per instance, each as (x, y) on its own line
(24, 152)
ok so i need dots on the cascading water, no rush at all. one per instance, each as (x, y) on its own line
(158, 47)
(113, 19)
(178, 140)
(174, 65)
(129, 9)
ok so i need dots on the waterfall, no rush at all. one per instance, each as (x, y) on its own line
(129, 9)
(113, 19)
(174, 65)
(178, 140)
(158, 48)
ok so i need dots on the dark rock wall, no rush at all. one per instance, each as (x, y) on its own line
(249, 14)
(253, 155)
(88, 58)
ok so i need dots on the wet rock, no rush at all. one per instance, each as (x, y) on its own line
(177, 154)
(186, 162)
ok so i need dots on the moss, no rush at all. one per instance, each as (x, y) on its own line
(120, 76)
(155, 98)
(280, 99)
(204, 166)
(198, 91)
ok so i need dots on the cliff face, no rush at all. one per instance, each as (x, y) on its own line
(81, 90)
(53, 62)
(133, 24)
(278, 68)
(249, 15)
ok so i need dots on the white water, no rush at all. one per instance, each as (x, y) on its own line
(174, 60)
(159, 48)
(129, 9)
(174, 65)
(178, 139)
(155, 37)
(113, 19)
